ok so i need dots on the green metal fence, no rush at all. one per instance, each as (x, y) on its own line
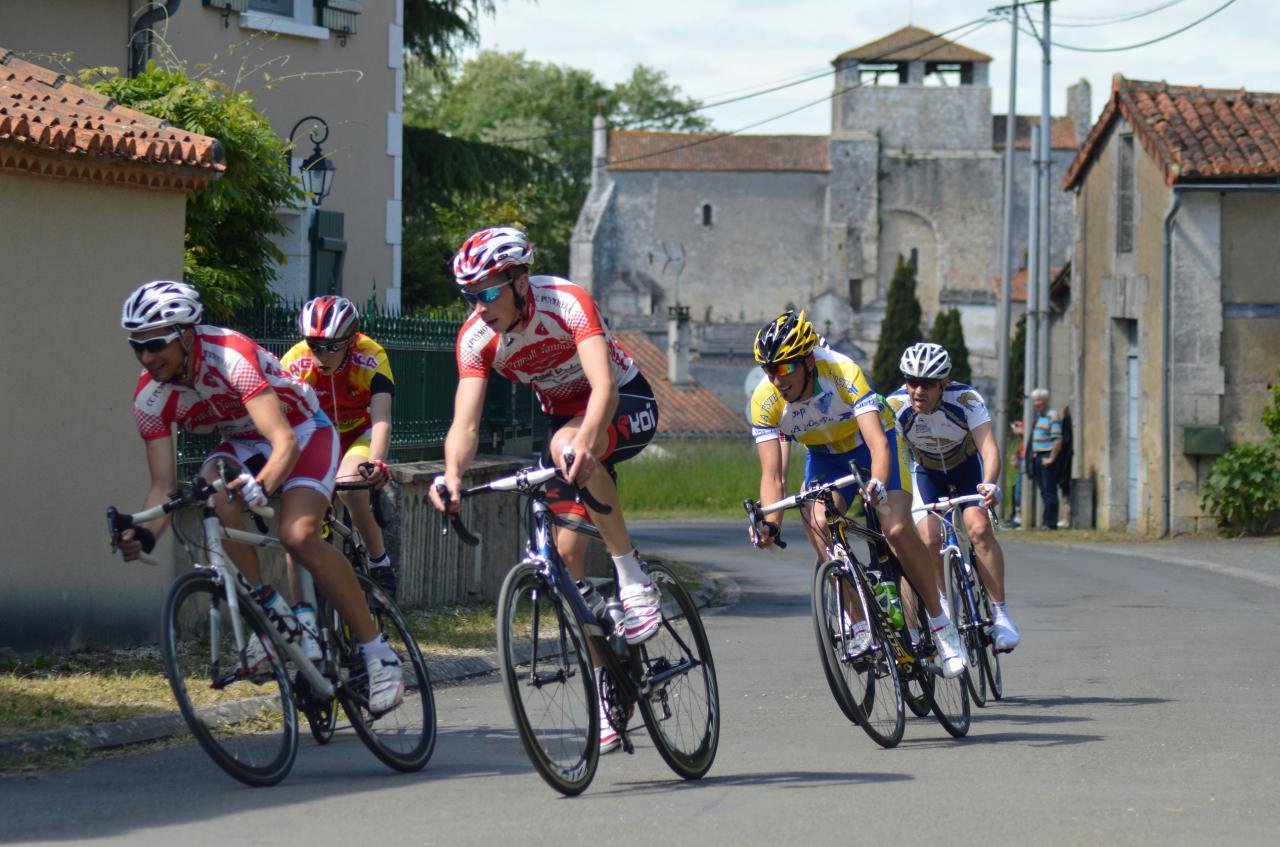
(421, 352)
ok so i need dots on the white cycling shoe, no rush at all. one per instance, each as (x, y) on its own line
(1006, 634)
(951, 657)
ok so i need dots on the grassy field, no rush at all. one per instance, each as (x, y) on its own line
(702, 478)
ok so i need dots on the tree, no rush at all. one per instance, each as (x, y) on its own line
(228, 255)
(1017, 371)
(949, 332)
(434, 29)
(899, 329)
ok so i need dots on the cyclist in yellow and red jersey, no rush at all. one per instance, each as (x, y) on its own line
(352, 379)
(821, 398)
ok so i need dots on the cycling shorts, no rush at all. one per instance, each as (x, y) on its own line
(317, 463)
(825, 467)
(931, 486)
(355, 443)
(634, 424)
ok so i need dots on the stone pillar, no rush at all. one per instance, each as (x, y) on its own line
(1080, 108)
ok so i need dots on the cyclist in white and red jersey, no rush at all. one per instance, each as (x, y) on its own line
(206, 379)
(546, 332)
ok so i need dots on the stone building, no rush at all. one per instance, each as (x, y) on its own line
(1174, 316)
(913, 165)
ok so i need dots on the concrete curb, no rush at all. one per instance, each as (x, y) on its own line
(103, 736)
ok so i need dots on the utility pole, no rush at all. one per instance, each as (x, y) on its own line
(1042, 272)
(1003, 329)
(1033, 330)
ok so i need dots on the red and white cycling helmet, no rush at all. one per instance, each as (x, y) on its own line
(328, 317)
(161, 303)
(488, 251)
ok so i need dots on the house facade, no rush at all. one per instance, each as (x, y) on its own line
(1174, 320)
(339, 60)
(913, 166)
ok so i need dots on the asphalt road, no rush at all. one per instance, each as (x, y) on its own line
(1138, 711)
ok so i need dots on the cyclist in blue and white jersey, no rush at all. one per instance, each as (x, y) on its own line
(948, 428)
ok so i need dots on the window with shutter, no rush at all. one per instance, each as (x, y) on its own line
(228, 5)
(1124, 196)
(339, 15)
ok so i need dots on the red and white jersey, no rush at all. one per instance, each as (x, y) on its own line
(230, 369)
(544, 352)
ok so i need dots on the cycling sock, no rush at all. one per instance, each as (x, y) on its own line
(946, 606)
(378, 648)
(940, 621)
(383, 561)
(627, 567)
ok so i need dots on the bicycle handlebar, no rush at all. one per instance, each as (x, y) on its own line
(946, 504)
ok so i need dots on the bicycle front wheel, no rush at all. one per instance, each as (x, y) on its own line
(962, 609)
(546, 673)
(243, 717)
(948, 698)
(680, 699)
(863, 677)
(986, 615)
(405, 737)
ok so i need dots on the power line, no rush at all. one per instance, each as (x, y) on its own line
(1164, 37)
(1105, 20)
(977, 24)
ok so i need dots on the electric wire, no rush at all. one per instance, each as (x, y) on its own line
(1033, 32)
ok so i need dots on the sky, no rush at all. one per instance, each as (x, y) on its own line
(714, 49)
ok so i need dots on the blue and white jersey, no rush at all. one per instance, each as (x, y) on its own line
(941, 440)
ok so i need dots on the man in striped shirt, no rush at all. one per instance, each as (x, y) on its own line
(1046, 442)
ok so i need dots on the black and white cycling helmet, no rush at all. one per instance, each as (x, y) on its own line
(161, 303)
(925, 360)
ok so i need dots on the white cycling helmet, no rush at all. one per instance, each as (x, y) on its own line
(488, 251)
(328, 317)
(925, 360)
(161, 303)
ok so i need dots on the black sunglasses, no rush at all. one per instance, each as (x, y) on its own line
(154, 345)
(331, 347)
(923, 383)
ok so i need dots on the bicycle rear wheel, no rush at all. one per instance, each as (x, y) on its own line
(866, 685)
(680, 700)
(986, 615)
(546, 673)
(405, 737)
(962, 607)
(247, 725)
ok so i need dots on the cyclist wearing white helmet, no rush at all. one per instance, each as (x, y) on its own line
(822, 399)
(948, 428)
(351, 375)
(547, 332)
(206, 379)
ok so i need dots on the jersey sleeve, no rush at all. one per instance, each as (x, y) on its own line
(245, 366)
(152, 411)
(293, 358)
(898, 403)
(852, 382)
(382, 381)
(975, 408)
(765, 411)
(476, 348)
(584, 318)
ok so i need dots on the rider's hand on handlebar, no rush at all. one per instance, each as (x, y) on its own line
(375, 473)
(134, 542)
(577, 462)
(249, 489)
(876, 492)
(990, 493)
(442, 486)
(763, 534)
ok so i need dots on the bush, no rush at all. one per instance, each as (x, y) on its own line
(1243, 489)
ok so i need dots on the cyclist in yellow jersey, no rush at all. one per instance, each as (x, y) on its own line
(822, 399)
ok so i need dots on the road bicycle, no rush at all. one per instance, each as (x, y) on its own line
(214, 632)
(970, 605)
(872, 676)
(553, 646)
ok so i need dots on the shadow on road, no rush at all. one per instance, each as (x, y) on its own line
(1056, 701)
(779, 779)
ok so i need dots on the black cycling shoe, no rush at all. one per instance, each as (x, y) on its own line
(386, 579)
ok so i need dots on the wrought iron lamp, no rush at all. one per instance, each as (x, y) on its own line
(317, 169)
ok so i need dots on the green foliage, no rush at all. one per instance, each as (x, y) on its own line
(1243, 489)
(505, 131)
(229, 255)
(1271, 414)
(1017, 370)
(949, 332)
(434, 29)
(899, 329)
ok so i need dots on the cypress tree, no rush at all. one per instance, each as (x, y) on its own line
(949, 332)
(1017, 370)
(899, 329)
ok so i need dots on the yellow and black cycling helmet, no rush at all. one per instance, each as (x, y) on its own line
(787, 337)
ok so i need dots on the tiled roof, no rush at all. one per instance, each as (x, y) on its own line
(1064, 132)
(690, 410)
(683, 151)
(1192, 133)
(50, 127)
(912, 43)
(1018, 283)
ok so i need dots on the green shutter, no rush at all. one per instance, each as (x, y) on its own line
(339, 15)
(228, 5)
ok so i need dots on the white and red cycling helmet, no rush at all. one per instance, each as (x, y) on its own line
(328, 317)
(161, 303)
(488, 251)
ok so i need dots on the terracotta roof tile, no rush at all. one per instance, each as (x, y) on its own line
(51, 127)
(1018, 283)
(911, 43)
(1192, 133)
(690, 410)
(1064, 132)
(683, 151)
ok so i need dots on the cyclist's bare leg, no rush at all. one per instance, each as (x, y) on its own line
(931, 536)
(987, 550)
(602, 487)
(918, 563)
(815, 527)
(230, 513)
(301, 514)
(572, 547)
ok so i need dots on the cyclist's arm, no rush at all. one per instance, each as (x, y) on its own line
(990, 452)
(464, 436)
(380, 437)
(268, 418)
(772, 483)
(594, 355)
(164, 478)
(872, 429)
